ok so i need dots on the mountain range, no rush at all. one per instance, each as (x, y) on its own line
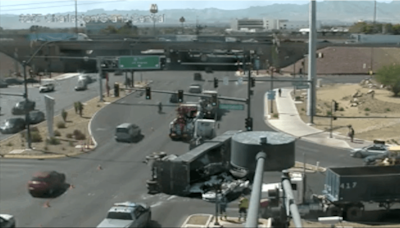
(328, 12)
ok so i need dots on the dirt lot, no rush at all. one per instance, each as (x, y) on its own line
(382, 104)
(67, 141)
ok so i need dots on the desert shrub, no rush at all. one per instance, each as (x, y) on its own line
(9, 144)
(69, 135)
(367, 109)
(64, 115)
(276, 115)
(328, 113)
(388, 110)
(34, 129)
(77, 132)
(80, 137)
(57, 133)
(36, 137)
(341, 109)
(53, 141)
(71, 144)
(61, 125)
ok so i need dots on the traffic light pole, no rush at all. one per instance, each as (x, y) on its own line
(27, 120)
(249, 94)
(100, 78)
(332, 104)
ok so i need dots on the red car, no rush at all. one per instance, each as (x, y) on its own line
(45, 183)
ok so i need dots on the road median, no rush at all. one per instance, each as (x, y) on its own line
(72, 136)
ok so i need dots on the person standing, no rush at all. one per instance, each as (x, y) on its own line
(223, 203)
(243, 205)
(280, 92)
(351, 133)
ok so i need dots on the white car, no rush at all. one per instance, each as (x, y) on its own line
(195, 88)
(7, 221)
(46, 88)
(86, 78)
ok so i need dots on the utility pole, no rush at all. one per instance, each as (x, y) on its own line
(311, 63)
(99, 59)
(372, 48)
(248, 89)
(76, 17)
(272, 88)
(330, 133)
(27, 119)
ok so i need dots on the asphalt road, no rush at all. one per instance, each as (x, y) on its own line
(64, 96)
(123, 175)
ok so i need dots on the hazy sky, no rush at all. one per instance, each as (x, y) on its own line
(58, 6)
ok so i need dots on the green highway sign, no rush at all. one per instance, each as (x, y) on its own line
(231, 106)
(141, 62)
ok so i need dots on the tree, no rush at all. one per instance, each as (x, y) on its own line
(390, 76)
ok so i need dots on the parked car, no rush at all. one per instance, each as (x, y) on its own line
(118, 72)
(36, 117)
(22, 107)
(46, 183)
(371, 150)
(127, 214)
(7, 221)
(3, 84)
(12, 126)
(127, 132)
(13, 81)
(195, 88)
(46, 88)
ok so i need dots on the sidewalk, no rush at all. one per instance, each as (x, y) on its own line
(207, 221)
(291, 123)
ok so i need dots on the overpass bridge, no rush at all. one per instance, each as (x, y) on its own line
(67, 56)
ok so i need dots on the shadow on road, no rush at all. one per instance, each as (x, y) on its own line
(135, 140)
(154, 224)
(137, 104)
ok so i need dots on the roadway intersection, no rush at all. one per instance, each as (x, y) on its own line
(124, 175)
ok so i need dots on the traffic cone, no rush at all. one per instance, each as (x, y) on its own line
(99, 167)
(71, 186)
(46, 204)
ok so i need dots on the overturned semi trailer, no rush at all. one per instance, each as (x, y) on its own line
(174, 175)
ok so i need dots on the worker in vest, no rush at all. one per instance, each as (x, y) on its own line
(243, 205)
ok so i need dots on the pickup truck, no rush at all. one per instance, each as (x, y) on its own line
(127, 214)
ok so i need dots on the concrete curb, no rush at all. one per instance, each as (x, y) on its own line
(278, 130)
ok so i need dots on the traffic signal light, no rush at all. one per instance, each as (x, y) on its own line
(215, 83)
(249, 124)
(214, 99)
(253, 82)
(336, 106)
(180, 95)
(148, 93)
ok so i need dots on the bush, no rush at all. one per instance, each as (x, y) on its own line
(57, 133)
(69, 135)
(276, 115)
(80, 137)
(71, 144)
(328, 113)
(53, 141)
(34, 129)
(36, 137)
(9, 144)
(64, 115)
(367, 109)
(76, 132)
(341, 109)
(61, 125)
(388, 110)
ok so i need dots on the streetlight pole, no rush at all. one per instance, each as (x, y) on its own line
(249, 90)
(272, 88)
(99, 59)
(76, 17)
(27, 119)
(154, 10)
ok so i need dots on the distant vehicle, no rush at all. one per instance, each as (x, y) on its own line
(22, 107)
(195, 88)
(45, 183)
(127, 132)
(371, 150)
(12, 126)
(174, 98)
(3, 84)
(82, 85)
(46, 88)
(118, 72)
(85, 78)
(13, 81)
(36, 117)
(7, 221)
(127, 214)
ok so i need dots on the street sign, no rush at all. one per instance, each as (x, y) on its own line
(303, 86)
(226, 81)
(149, 62)
(271, 96)
(231, 106)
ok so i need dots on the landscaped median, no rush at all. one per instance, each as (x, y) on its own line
(71, 134)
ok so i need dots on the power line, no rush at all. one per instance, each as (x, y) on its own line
(58, 6)
(36, 3)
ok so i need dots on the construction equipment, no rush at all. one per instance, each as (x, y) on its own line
(182, 127)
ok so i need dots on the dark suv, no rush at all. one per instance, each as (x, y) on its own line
(23, 107)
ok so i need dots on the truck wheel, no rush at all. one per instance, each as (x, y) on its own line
(354, 213)
(333, 211)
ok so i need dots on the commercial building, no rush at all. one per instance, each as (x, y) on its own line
(95, 27)
(270, 24)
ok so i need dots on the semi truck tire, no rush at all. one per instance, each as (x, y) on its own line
(333, 211)
(354, 213)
